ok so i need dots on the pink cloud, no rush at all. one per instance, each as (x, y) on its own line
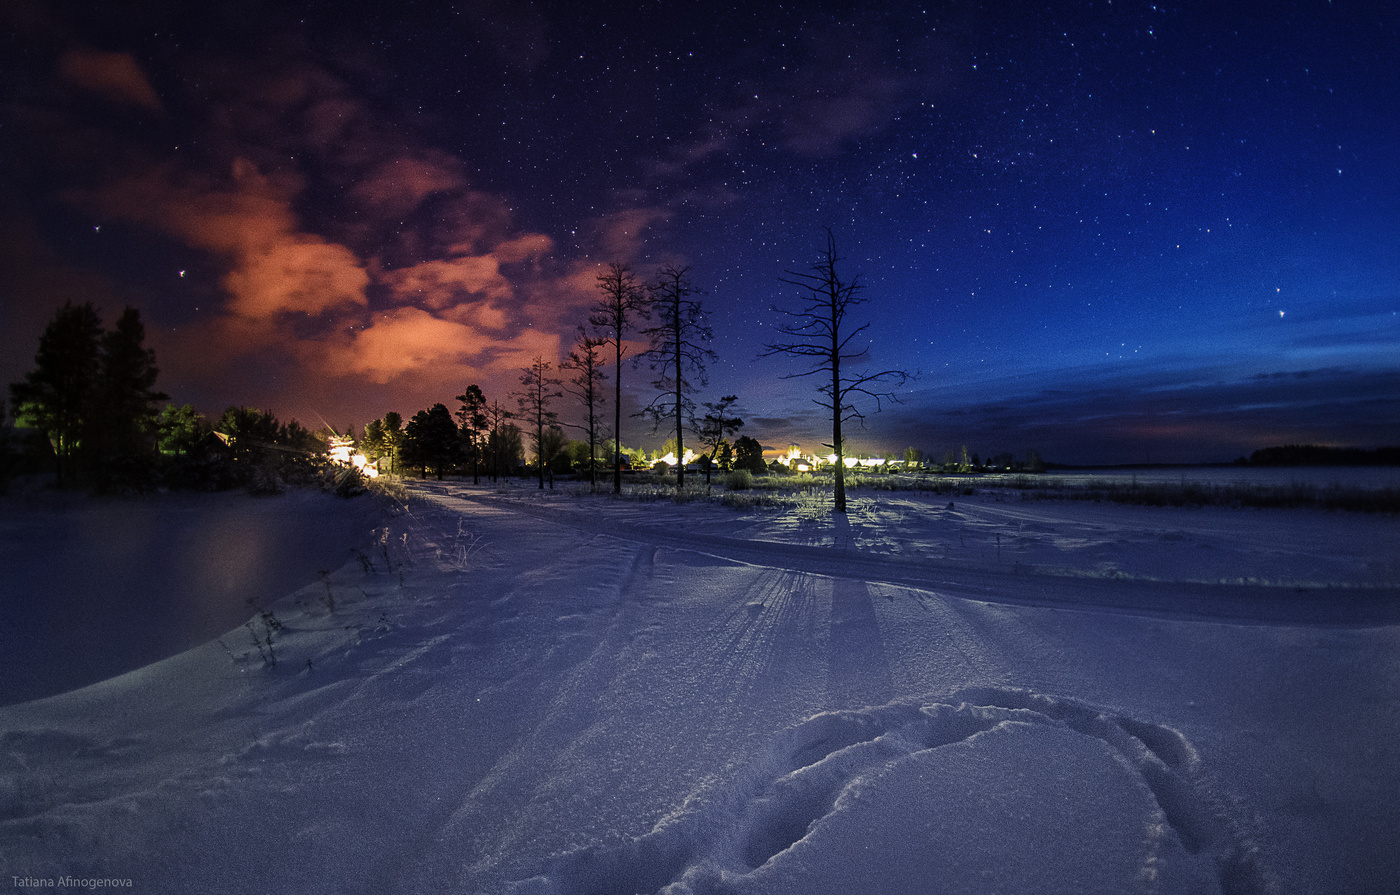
(399, 184)
(114, 76)
(444, 283)
(299, 274)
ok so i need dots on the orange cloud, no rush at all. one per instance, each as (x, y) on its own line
(413, 342)
(441, 284)
(301, 273)
(275, 267)
(114, 76)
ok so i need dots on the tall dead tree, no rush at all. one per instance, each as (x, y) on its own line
(537, 388)
(586, 384)
(821, 332)
(678, 354)
(622, 304)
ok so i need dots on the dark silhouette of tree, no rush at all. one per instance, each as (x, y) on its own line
(431, 440)
(537, 389)
(622, 304)
(497, 444)
(585, 363)
(821, 332)
(505, 447)
(472, 416)
(127, 414)
(59, 395)
(553, 445)
(678, 354)
(716, 426)
(748, 454)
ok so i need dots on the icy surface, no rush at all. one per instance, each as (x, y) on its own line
(523, 693)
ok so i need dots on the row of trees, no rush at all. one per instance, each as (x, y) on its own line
(92, 393)
(92, 397)
(819, 330)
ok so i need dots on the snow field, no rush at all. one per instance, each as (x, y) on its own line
(524, 694)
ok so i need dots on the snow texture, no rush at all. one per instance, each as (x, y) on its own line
(503, 691)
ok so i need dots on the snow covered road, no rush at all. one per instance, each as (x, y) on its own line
(517, 693)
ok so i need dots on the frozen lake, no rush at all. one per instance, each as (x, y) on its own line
(1318, 476)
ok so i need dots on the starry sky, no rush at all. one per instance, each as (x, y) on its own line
(1114, 232)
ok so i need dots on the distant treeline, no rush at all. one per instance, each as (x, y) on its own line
(1321, 455)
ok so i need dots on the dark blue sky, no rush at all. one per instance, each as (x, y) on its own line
(1112, 232)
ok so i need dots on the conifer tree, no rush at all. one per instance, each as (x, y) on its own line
(59, 396)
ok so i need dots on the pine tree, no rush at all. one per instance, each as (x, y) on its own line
(716, 427)
(127, 416)
(472, 416)
(59, 396)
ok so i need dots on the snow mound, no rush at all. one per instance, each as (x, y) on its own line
(969, 794)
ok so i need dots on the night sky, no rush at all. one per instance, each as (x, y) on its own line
(1113, 232)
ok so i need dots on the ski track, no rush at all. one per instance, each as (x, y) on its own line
(1244, 603)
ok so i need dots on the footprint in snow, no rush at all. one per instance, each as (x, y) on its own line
(989, 790)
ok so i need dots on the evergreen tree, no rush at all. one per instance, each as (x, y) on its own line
(431, 440)
(181, 429)
(392, 437)
(715, 429)
(127, 417)
(59, 396)
(748, 454)
(472, 416)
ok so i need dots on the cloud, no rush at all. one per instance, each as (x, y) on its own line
(352, 269)
(621, 235)
(275, 268)
(298, 273)
(397, 185)
(411, 342)
(116, 77)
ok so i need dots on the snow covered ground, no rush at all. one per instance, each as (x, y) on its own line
(522, 692)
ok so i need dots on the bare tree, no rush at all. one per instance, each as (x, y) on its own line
(586, 384)
(622, 303)
(716, 426)
(821, 332)
(678, 354)
(537, 389)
